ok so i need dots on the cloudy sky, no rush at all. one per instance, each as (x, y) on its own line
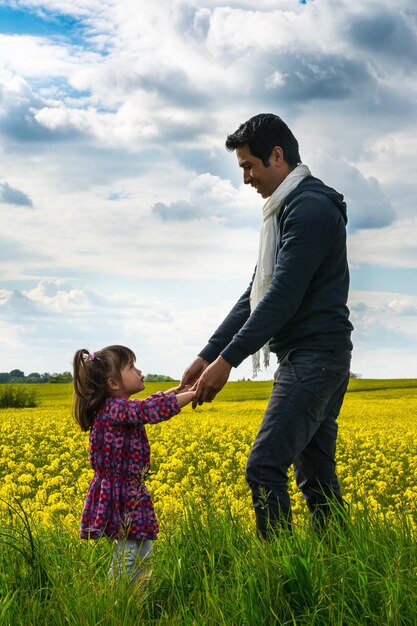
(124, 219)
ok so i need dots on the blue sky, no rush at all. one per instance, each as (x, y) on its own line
(123, 218)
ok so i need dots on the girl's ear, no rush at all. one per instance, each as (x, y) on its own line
(113, 385)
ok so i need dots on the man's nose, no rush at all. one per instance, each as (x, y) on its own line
(247, 178)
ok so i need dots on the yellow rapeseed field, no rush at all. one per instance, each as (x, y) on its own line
(200, 455)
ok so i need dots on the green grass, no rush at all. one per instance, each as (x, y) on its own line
(211, 571)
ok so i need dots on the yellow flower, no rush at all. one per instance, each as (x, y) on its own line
(201, 456)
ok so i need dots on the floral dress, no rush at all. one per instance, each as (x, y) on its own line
(118, 504)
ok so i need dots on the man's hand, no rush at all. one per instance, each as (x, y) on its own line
(211, 381)
(192, 373)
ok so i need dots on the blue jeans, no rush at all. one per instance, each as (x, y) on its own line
(131, 557)
(299, 428)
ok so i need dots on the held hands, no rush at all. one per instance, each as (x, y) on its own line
(193, 373)
(187, 388)
(184, 394)
(211, 381)
(206, 380)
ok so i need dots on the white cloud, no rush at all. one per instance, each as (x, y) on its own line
(55, 320)
(116, 127)
(388, 155)
(212, 198)
(403, 306)
(385, 336)
(374, 304)
(393, 246)
(368, 205)
(37, 58)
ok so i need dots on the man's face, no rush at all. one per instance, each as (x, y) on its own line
(264, 179)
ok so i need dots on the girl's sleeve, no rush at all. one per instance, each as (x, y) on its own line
(157, 408)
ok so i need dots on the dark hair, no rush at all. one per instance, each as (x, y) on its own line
(91, 373)
(262, 133)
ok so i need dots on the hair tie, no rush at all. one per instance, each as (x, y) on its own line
(91, 356)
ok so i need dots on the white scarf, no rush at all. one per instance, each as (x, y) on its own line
(267, 248)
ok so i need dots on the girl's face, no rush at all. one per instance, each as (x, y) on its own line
(131, 380)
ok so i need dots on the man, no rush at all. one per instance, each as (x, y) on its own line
(296, 307)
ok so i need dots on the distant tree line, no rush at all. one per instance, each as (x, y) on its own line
(158, 378)
(17, 376)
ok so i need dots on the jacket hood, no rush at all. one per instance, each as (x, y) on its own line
(310, 184)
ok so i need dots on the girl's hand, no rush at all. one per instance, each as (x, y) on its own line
(178, 389)
(184, 398)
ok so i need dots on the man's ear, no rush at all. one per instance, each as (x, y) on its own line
(278, 154)
(113, 385)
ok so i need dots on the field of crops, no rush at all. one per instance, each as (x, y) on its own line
(209, 567)
(200, 455)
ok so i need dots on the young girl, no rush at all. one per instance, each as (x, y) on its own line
(118, 504)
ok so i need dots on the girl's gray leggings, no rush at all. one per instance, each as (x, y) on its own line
(131, 557)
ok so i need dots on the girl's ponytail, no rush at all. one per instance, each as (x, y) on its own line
(90, 387)
(91, 373)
